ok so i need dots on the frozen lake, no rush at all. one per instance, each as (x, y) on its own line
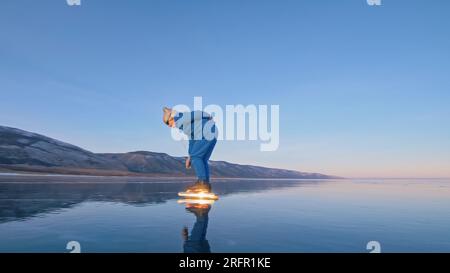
(134, 215)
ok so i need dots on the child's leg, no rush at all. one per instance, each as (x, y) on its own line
(200, 168)
(205, 162)
(200, 153)
(212, 144)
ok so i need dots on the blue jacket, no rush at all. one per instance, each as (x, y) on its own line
(199, 126)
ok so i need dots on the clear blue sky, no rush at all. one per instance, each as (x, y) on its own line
(363, 91)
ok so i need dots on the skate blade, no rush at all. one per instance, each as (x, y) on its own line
(196, 201)
(198, 195)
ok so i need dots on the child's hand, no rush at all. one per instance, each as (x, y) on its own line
(188, 163)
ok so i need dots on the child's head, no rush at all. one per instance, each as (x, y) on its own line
(168, 117)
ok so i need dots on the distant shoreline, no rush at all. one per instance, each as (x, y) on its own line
(10, 178)
(21, 170)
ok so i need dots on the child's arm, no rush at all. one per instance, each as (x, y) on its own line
(188, 162)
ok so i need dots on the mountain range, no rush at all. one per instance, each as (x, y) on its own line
(23, 151)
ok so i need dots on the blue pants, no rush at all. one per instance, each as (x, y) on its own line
(200, 151)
